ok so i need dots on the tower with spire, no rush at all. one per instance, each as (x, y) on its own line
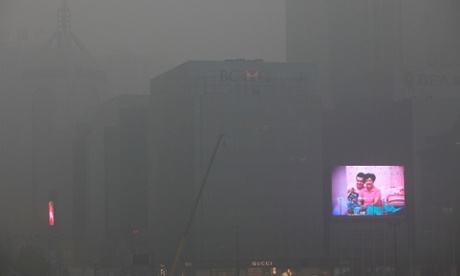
(63, 36)
(65, 64)
(61, 86)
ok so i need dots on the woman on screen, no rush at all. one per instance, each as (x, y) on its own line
(370, 195)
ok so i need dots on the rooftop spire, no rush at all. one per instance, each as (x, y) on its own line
(63, 25)
(63, 37)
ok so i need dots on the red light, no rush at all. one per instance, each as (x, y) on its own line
(51, 213)
(136, 231)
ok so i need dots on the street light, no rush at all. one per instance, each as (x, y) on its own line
(395, 223)
(446, 212)
(237, 248)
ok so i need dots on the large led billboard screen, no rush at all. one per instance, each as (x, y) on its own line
(368, 190)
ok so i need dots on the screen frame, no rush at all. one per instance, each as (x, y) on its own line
(390, 179)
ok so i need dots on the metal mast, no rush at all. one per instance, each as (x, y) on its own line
(64, 37)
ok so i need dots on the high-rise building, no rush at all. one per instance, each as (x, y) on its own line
(52, 85)
(249, 132)
(391, 71)
(62, 83)
(346, 38)
(440, 24)
(117, 207)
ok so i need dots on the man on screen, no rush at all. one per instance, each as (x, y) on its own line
(356, 187)
(371, 195)
(353, 193)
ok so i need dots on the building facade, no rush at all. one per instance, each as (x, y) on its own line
(407, 116)
(346, 38)
(49, 85)
(388, 67)
(117, 208)
(262, 196)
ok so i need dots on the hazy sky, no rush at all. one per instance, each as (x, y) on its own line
(175, 30)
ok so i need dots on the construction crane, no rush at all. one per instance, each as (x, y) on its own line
(184, 237)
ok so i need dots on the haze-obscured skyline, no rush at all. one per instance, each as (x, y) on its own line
(175, 31)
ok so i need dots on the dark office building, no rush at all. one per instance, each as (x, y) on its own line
(248, 132)
(370, 129)
(117, 210)
(392, 81)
